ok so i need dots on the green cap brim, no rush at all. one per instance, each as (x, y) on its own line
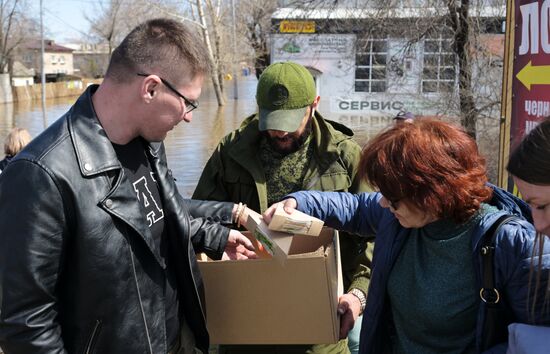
(286, 120)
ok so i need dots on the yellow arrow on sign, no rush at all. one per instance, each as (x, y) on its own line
(534, 75)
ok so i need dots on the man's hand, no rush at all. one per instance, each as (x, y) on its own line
(289, 206)
(238, 247)
(349, 308)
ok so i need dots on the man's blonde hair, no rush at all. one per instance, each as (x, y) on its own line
(16, 140)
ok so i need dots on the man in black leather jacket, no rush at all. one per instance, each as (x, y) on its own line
(97, 247)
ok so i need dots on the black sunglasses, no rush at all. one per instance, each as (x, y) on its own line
(393, 203)
(190, 105)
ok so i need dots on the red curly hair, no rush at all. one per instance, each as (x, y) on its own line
(433, 164)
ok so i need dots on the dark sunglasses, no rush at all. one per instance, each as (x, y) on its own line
(190, 105)
(394, 203)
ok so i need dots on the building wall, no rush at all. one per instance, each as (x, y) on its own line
(334, 56)
(54, 62)
(406, 86)
(58, 62)
(22, 81)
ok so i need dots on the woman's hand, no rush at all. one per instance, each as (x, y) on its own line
(289, 205)
(238, 247)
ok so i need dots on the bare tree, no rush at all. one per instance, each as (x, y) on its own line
(110, 21)
(255, 16)
(106, 26)
(16, 27)
(216, 14)
(215, 67)
(460, 23)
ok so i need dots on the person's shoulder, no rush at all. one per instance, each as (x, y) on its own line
(338, 133)
(248, 130)
(4, 163)
(515, 235)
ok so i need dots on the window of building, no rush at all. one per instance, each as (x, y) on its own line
(52, 59)
(61, 60)
(439, 74)
(370, 65)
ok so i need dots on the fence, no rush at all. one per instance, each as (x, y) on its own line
(53, 89)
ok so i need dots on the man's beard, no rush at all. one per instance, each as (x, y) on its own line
(292, 142)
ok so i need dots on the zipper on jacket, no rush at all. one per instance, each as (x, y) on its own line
(141, 304)
(93, 337)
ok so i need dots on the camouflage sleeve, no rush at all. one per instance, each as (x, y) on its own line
(210, 185)
(361, 277)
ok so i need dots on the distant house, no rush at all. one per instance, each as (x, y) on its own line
(90, 59)
(58, 59)
(21, 75)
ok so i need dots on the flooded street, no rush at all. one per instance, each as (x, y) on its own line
(189, 145)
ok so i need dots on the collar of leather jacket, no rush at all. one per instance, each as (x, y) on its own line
(93, 148)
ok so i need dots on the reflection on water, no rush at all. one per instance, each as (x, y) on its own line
(188, 146)
(28, 115)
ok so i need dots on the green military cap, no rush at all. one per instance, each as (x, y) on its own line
(284, 92)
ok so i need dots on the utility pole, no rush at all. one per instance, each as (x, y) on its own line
(235, 64)
(42, 73)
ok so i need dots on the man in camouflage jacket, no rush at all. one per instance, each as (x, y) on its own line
(288, 146)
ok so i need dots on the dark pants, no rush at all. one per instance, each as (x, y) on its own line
(185, 343)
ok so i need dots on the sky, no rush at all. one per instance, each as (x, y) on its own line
(64, 19)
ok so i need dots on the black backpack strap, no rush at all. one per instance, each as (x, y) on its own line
(488, 293)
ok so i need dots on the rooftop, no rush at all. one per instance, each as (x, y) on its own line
(364, 13)
(49, 46)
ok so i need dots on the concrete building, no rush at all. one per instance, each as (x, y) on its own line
(367, 62)
(90, 60)
(58, 60)
(21, 75)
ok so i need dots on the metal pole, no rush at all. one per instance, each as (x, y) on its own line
(42, 73)
(235, 64)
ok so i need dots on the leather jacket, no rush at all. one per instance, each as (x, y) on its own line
(79, 271)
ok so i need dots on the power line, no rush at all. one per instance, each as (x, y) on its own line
(50, 13)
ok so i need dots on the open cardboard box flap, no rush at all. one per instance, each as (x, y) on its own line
(262, 301)
(281, 245)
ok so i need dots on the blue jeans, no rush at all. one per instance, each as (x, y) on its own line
(354, 335)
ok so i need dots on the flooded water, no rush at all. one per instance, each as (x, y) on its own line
(190, 145)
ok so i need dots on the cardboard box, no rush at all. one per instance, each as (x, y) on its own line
(261, 301)
(297, 223)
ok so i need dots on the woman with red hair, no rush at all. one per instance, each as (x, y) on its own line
(431, 213)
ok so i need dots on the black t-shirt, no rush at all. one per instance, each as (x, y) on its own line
(135, 161)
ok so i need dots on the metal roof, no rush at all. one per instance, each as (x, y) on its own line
(366, 13)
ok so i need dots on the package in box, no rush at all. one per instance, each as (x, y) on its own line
(276, 243)
(295, 223)
(262, 301)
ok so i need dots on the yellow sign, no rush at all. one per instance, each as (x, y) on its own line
(297, 27)
(534, 75)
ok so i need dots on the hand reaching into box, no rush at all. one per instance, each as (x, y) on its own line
(238, 247)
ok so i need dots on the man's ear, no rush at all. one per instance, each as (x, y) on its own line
(315, 103)
(149, 88)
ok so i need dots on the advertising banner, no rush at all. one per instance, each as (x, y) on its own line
(531, 85)
(526, 93)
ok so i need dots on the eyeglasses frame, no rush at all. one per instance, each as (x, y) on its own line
(190, 105)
